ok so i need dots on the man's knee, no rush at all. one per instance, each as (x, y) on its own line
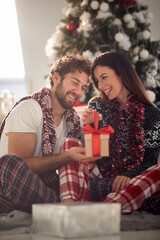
(9, 159)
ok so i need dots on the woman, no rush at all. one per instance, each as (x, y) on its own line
(135, 145)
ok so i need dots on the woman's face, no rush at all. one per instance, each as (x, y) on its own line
(110, 83)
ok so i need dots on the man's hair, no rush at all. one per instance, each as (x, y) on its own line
(70, 64)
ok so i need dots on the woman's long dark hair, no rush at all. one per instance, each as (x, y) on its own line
(124, 69)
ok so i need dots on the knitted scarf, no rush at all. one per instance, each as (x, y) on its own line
(48, 132)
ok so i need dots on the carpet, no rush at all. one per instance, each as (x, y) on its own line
(139, 221)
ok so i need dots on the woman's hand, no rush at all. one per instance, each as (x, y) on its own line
(120, 183)
(88, 116)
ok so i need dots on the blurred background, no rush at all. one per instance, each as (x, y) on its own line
(37, 21)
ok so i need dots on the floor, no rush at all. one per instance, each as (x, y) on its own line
(139, 235)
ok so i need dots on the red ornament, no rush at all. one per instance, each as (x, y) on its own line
(71, 26)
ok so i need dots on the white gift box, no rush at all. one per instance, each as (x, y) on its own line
(74, 220)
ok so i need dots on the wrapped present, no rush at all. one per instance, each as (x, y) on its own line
(97, 140)
(76, 220)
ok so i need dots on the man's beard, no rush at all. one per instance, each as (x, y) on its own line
(61, 96)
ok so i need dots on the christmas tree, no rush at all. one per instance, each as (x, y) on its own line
(91, 27)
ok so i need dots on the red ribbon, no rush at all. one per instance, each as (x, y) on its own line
(106, 130)
(96, 135)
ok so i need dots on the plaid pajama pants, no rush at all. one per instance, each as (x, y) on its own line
(20, 187)
(142, 193)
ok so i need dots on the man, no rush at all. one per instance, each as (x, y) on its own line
(32, 135)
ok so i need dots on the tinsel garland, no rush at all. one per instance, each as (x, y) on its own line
(134, 134)
(126, 3)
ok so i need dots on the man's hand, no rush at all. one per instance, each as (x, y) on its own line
(23, 145)
(88, 116)
(77, 154)
(120, 183)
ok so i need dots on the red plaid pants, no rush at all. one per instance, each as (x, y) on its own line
(20, 187)
(140, 188)
(75, 183)
(74, 177)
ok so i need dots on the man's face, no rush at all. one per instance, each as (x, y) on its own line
(71, 88)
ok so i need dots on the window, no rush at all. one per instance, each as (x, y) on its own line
(11, 60)
(12, 71)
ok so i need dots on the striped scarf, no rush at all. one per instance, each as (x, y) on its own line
(48, 132)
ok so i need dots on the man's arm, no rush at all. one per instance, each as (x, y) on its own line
(23, 145)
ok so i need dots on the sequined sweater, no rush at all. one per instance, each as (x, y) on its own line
(151, 145)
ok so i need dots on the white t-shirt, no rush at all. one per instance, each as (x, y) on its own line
(27, 117)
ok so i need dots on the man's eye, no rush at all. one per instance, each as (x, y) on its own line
(74, 83)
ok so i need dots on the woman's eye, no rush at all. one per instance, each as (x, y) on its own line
(104, 77)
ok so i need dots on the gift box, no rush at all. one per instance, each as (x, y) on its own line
(97, 140)
(74, 220)
(96, 147)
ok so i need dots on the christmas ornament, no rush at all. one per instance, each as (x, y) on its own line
(104, 7)
(131, 24)
(85, 27)
(139, 16)
(136, 50)
(94, 5)
(151, 95)
(144, 54)
(125, 44)
(150, 81)
(117, 22)
(146, 34)
(105, 25)
(85, 16)
(127, 18)
(119, 37)
(71, 26)
(149, 15)
(87, 54)
(135, 59)
(104, 15)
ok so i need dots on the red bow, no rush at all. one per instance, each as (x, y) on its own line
(105, 130)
